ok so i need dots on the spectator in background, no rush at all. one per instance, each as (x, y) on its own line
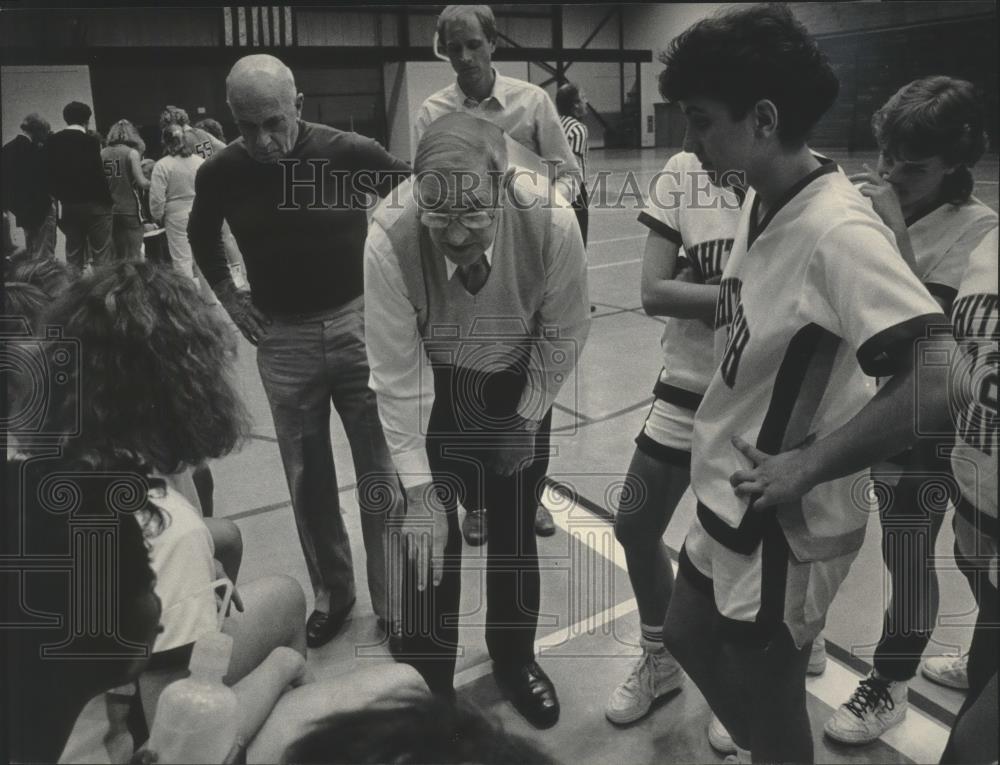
(154, 237)
(205, 143)
(572, 108)
(212, 127)
(25, 186)
(171, 195)
(122, 165)
(201, 142)
(76, 179)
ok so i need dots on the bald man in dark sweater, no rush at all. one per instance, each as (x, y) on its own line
(280, 187)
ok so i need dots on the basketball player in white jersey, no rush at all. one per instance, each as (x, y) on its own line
(687, 209)
(930, 133)
(814, 293)
(976, 322)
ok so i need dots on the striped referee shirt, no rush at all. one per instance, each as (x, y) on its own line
(577, 136)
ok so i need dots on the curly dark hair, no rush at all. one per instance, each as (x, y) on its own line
(936, 116)
(48, 274)
(155, 367)
(412, 730)
(26, 301)
(745, 55)
(173, 115)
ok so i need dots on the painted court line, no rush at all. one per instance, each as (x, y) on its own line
(612, 265)
(616, 239)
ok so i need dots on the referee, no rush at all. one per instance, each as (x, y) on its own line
(572, 107)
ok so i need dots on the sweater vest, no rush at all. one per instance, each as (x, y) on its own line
(491, 330)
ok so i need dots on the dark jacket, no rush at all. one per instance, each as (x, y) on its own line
(76, 173)
(25, 183)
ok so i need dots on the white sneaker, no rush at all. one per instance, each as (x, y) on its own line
(950, 670)
(876, 706)
(655, 674)
(817, 657)
(719, 737)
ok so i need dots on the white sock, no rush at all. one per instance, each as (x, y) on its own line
(652, 636)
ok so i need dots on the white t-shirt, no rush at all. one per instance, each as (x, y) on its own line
(182, 557)
(942, 240)
(692, 213)
(809, 291)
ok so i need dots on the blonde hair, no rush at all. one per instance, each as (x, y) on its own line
(124, 133)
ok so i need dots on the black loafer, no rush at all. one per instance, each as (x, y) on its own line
(531, 692)
(321, 627)
(474, 528)
(544, 525)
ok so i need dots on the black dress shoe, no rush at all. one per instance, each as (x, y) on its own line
(544, 525)
(531, 692)
(321, 627)
(474, 528)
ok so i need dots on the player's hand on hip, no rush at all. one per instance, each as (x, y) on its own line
(883, 197)
(772, 479)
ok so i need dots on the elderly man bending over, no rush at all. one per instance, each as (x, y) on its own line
(476, 299)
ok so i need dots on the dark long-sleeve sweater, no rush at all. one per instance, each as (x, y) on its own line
(76, 172)
(301, 239)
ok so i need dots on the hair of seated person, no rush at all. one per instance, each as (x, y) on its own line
(25, 300)
(155, 383)
(426, 729)
(48, 274)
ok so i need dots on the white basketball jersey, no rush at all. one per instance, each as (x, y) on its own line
(692, 213)
(810, 291)
(974, 385)
(942, 240)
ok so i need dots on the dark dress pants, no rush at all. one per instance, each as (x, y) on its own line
(465, 429)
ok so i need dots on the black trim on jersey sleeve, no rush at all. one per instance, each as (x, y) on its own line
(686, 568)
(661, 228)
(666, 454)
(743, 540)
(944, 293)
(173, 658)
(884, 354)
(677, 396)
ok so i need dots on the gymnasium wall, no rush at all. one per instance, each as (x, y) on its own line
(875, 47)
(41, 89)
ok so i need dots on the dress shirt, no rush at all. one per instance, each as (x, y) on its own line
(526, 114)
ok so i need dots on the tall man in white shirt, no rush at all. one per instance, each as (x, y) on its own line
(476, 300)
(467, 34)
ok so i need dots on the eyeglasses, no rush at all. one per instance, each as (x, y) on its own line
(474, 220)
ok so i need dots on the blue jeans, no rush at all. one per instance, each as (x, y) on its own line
(305, 363)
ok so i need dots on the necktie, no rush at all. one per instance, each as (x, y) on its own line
(474, 275)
